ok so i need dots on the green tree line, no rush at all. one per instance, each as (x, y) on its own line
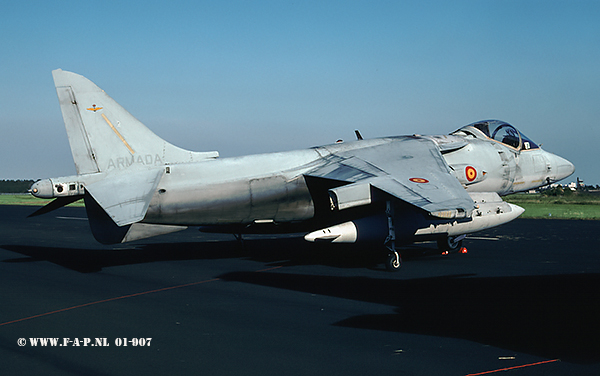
(15, 186)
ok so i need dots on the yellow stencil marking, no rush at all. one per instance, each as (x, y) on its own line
(117, 133)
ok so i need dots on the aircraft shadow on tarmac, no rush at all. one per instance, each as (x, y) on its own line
(284, 251)
(554, 316)
(94, 260)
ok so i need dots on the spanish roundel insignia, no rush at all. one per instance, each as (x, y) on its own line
(94, 108)
(419, 180)
(470, 173)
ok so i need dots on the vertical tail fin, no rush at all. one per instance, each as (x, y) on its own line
(103, 136)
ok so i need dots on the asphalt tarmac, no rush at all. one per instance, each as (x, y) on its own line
(524, 298)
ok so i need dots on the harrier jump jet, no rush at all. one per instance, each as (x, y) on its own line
(390, 191)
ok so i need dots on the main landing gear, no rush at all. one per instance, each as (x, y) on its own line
(450, 244)
(393, 261)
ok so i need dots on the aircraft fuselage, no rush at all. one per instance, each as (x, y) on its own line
(388, 190)
(271, 188)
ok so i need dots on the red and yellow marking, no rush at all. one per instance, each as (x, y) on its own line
(470, 173)
(94, 108)
(419, 180)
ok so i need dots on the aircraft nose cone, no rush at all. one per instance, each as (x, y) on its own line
(562, 167)
(565, 168)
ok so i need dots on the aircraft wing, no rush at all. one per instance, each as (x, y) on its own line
(409, 168)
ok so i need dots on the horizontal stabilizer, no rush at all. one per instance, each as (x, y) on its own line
(145, 230)
(125, 197)
(106, 231)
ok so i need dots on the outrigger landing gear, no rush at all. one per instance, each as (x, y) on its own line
(394, 260)
(239, 237)
(240, 240)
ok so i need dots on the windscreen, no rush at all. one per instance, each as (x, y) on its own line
(505, 134)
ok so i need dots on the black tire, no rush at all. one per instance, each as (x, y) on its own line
(448, 243)
(393, 263)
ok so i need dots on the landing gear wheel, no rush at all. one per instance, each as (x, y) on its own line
(450, 243)
(393, 262)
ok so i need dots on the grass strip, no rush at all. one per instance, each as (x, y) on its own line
(568, 206)
(29, 200)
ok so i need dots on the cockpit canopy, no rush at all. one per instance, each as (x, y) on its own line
(502, 132)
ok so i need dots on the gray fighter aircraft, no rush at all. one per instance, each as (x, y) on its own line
(388, 191)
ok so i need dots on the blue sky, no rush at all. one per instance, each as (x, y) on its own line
(245, 77)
